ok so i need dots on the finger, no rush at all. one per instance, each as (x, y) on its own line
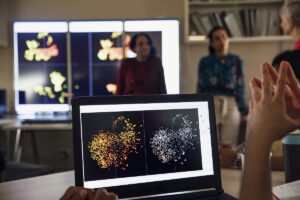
(100, 194)
(90, 194)
(267, 84)
(292, 80)
(257, 82)
(281, 82)
(81, 195)
(70, 192)
(273, 72)
(255, 90)
(251, 105)
(112, 196)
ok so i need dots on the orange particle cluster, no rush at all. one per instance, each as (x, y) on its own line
(110, 148)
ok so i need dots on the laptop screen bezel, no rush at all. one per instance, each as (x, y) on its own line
(152, 188)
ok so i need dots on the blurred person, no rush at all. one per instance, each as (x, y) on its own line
(290, 24)
(221, 74)
(143, 74)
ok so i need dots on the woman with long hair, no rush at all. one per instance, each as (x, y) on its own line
(221, 74)
(143, 74)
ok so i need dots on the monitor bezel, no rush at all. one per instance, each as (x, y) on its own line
(153, 188)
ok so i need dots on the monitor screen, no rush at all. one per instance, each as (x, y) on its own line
(99, 46)
(54, 59)
(40, 67)
(97, 50)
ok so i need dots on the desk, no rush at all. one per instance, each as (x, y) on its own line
(19, 128)
(51, 187)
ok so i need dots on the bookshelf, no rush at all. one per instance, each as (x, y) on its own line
(245, 20)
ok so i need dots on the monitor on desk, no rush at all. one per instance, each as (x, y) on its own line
(45, 77)
(40, 67)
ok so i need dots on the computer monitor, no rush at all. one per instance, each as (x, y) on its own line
(52, 59)
(98, 47)
(40, 67)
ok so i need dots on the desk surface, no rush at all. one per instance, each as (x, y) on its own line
(52, 186)
(6, 120)
(37, 127)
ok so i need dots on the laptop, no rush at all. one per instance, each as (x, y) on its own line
(148, 147)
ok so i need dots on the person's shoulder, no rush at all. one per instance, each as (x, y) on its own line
(207, 59)
(127, 61)
(155, 60)
(288, 55)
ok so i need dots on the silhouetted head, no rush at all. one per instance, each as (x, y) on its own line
(142, 45)
(290, 16)
(218, 41)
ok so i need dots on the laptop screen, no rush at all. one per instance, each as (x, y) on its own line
(134, 141)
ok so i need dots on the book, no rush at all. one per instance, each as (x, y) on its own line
(205, 21)
(197, 23)
(233, 25)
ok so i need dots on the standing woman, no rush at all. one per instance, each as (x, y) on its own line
(143, 74)
(221, 74)
(290, 24)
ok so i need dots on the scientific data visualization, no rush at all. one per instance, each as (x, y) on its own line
(96, 60)
(137, 143)
(42, 68)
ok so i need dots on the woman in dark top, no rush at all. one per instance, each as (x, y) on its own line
(221, 74)
(290, 24)
(143, 74)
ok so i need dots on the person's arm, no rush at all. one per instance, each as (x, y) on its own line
(267, 121)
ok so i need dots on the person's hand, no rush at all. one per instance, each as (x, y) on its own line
(292, 92)
(102, 194)
(79, 193)
(227, 155)
(268, 119)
